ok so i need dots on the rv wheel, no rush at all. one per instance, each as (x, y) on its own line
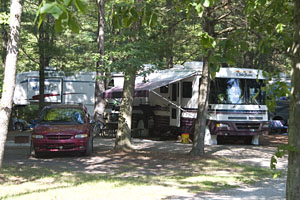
(210, 139)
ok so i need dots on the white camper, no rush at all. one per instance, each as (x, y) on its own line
(60, 88)
(166, 101)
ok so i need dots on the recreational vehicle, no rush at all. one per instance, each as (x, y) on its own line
(60, 88)
(166, 102)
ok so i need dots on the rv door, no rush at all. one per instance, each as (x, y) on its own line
(174, 110)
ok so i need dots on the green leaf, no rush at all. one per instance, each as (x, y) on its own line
(67, 2)
(47, 7)
(51, 8)
(280, 28)
(199, 8)
(73, 25)
(58, 26)
(206, 41)
(81, 5)
(153, 20)
(206, 3)
(134, 14)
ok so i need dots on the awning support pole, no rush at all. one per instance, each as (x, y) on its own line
(167, 100)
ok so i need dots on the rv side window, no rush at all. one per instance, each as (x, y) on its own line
(111, 83)
(187, 89)
(164, 89)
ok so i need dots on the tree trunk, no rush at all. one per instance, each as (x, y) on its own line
(10, 72)
(293, 178)
(125, 116)
(100, 83)
(45, 42)
(200, 123)
(42, 67)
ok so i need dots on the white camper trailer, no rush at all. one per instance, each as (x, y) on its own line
(166, 101)
(60, 88)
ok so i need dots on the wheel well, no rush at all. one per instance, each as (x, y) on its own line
(277, 118)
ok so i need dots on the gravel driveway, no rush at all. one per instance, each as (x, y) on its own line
(18, 154)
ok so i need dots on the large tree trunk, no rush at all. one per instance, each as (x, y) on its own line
(293, 178)
(100, 82)
(200, 123)
(125, 116)
(10, 72)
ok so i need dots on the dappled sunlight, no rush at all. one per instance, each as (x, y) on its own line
(163, 167)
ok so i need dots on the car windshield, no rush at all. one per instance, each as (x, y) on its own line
(237, 91)
(62, 116)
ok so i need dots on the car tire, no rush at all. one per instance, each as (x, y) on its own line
(33, 153)
(90, 147)
(19, 126)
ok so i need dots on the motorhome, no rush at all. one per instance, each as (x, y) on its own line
(166, 101)
(60, 88)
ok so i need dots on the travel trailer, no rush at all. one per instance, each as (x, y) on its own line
(166, 102)
(60, 88)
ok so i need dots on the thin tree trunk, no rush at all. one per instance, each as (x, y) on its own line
(200, 123)
(293, 177)
(42, 66)
(10, 72)
(125, 116)
(100, 83)
(45, 43)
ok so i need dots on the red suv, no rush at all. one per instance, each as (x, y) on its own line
(62, 128)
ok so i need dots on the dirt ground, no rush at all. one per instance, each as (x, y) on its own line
(153, 157)
(150, 152)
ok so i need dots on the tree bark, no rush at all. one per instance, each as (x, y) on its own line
(125, 116)
(10, 72)
(293, 177)
(200, 123)
(100, 82)
(42, 67)
(46, 39)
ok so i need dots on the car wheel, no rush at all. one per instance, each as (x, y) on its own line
(90, 147)
(33, 153)
(19, 126)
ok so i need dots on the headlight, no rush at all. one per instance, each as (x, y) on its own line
(220, 125)
(81, 136)
(37, 136)
(266, 125)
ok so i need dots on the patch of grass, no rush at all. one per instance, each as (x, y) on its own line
(128, 182)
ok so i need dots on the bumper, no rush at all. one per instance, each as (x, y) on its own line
(43, 145)
(230, 128)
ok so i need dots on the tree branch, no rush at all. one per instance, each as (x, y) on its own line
(226, 30)
(29, 57)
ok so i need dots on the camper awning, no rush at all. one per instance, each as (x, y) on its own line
(153, 81)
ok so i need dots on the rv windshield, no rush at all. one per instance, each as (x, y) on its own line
(236, 91)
